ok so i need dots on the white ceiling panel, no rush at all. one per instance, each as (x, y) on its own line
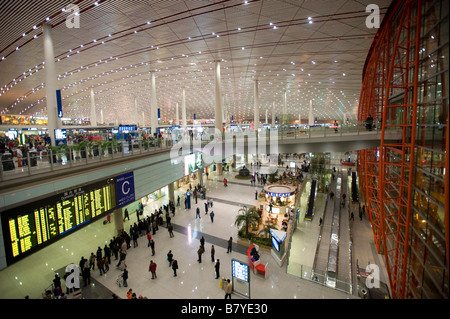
(319, 58)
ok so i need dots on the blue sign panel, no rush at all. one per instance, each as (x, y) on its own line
(127, 128)
(59, 103)
(125, 189)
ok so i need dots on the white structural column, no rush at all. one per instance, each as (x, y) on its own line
(177, 115)
(101, 116)
(273, 114)
(299, 119)
(183, 109)
(256, 105)
(93, 118)
(218, 109)
(143, 119)
(50, 82)
(311, 116)
(218, 121)
(136, 118)
(285, 102)
(265, 122)
(153, 106)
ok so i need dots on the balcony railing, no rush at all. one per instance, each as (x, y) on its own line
(67, 157)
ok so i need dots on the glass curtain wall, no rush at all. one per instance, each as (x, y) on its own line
(405, 87)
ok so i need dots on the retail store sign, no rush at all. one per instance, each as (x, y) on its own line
(125, 189)
(278, 194)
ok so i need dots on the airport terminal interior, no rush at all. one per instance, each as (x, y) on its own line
(190, 149)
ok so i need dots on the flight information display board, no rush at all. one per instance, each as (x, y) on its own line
(32, 226)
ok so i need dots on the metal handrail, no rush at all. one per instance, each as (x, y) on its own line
(69, 158)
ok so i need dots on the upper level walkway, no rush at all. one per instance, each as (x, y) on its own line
(71, 159)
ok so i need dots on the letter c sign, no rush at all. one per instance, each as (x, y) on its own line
(127, 183)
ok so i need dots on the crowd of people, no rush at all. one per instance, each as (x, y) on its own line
(101, 259)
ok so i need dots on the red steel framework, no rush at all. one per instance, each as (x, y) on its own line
(390, 94)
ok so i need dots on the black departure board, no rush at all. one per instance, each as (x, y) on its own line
(32, 226)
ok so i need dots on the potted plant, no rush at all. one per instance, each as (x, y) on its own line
(246, 217)
(76, 148)
(83, 146)
(52, 152)
(96, 147)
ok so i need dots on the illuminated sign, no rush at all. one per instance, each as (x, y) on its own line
(125, 189)
(31, 227)
(278, 194)
(240, 270)
(127, 128)
(192, 163)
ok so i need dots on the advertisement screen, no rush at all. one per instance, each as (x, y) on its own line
(275, 244)
(192, 163)
(240, 270)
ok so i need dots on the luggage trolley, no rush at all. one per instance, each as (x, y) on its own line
(119, 280)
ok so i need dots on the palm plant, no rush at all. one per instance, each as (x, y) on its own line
(266, 230)
(246, 217)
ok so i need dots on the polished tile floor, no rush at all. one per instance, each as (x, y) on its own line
(32, 275)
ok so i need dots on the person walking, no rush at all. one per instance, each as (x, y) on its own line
(200, 251)
(217, 268)
(152, 269)
(352, 217)
(149, 238)
(206, 207)
(123, 255)
(100, 267)
(213, 251)
(170, 258)
(202, 242)
(125, 277)
(170, 229)
(92, 261)
(86, 274)
(230, 242)
(211, 215)
(174, 267)
(197, 214)
(152, 246)
(228, 289)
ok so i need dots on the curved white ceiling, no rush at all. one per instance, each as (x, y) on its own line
(313, 49)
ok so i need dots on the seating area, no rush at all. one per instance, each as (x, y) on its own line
(255, 261)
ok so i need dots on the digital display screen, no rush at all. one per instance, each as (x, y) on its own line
(127, 128)
(275, 244)
(30, 227)
(240, 270)
(192, 163)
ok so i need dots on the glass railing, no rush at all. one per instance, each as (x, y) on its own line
(64, 157)
(320, 277)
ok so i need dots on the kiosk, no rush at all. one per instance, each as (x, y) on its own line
(278, 205)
